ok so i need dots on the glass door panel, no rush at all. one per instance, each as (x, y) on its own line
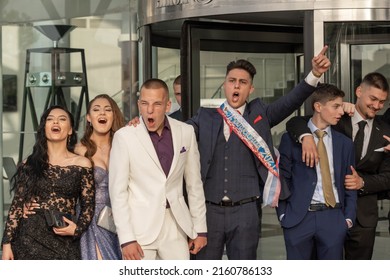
(207, 48)
(355, 49)
(168, 68)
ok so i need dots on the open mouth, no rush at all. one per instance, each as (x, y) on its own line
(102, 121)
(55, 129)
(236, 95)
(150, 121)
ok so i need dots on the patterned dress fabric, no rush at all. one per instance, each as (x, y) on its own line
(106, 241)
(61, 189)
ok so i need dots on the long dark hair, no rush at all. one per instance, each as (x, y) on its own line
(36, 164)
(117, 123)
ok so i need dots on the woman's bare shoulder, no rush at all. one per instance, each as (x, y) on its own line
(80, 149)
(80, 161)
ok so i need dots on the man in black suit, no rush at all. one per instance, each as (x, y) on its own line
(372, 164)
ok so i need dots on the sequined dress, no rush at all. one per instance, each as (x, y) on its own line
(61, 189)
(106, 241)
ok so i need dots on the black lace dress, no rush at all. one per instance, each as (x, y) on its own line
(61, 189)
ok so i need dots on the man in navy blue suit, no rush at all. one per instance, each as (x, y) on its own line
(310, 221)
(372, 163)
(238, 159)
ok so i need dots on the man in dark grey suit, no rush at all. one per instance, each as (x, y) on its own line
(232, 175)
(177, 115)
(373, 165)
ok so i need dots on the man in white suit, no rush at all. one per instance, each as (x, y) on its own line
(147, 167)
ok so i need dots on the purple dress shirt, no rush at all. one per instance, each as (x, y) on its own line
(164, 146)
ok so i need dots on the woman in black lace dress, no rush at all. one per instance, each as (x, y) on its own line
(57, 179)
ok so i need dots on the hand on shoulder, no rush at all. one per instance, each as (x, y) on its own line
(349, 108)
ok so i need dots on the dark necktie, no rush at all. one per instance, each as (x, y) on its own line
(325, 170)
(359, 139)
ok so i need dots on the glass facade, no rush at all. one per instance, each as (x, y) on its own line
(356, 49)
(31, 58)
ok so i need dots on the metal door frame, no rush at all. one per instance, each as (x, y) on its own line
(213, 36)
(345, 59)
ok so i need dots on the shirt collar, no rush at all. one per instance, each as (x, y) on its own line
(167, 126)
(166, 123)
(242, 109)
(313, 128)
(356, 118)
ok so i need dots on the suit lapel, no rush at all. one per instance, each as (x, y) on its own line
(345, 126)
(217, 124)
(254, 119)
(251, 118)
(337, 158)
(177, 143)
(144, 138)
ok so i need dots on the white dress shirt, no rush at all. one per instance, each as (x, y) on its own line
(356, 118)
(318, 196)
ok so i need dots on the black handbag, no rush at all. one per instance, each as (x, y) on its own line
(54, 218)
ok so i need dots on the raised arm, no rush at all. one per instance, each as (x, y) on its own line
(320, 63)
(288, 104)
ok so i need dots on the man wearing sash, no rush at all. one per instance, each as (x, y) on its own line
(239, 166)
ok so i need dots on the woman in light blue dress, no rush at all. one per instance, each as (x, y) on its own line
(103, 119)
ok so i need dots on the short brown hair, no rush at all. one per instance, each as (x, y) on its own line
(324, 93)
(177, 80)
(242, 64)
(155, 84)
(376, 80)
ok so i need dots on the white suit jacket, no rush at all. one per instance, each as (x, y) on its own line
(139, 188)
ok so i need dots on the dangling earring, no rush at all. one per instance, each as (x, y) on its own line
(68, 140)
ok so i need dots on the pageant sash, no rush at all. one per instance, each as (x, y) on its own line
(259, 147)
